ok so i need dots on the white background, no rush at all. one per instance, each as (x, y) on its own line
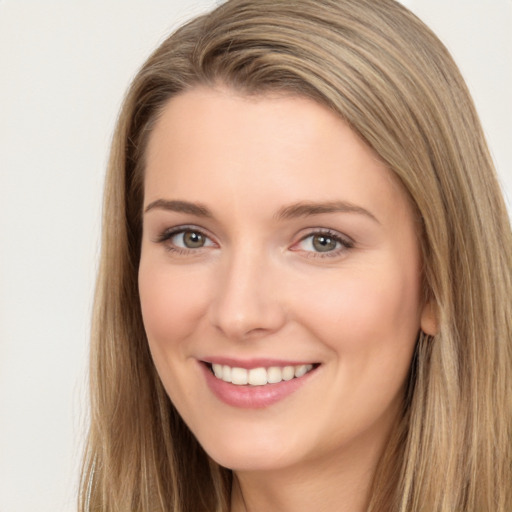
(64, 66)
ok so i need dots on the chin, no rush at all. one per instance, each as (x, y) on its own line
(250, 461)
(251, 452)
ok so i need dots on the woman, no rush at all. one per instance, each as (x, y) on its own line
(304, 291)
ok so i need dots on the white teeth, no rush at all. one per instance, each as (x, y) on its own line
(226, 373)
(238, 376)
(259, 376)
(274, 375)
(217, 370)
(301, 370)
(288, 372)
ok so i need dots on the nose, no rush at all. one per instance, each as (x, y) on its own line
(247, 303)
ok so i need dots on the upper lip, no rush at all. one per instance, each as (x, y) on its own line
(254, 363)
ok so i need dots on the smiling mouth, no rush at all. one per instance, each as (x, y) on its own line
(259, 376)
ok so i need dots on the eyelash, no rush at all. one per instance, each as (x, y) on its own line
(345, 242)
(168, 234)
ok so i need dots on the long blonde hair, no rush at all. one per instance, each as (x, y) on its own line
(382, 71)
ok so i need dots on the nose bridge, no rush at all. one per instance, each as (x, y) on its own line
(246, 301)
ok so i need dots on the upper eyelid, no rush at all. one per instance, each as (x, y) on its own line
(330, 232)
(167, 233)
(164, 238)
(346, 243)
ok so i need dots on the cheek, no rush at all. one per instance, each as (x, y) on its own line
(369, 320)
(172, 304)
(375, 309)
(171, 301)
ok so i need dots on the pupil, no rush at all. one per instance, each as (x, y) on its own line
(193, 240)
(324, 243)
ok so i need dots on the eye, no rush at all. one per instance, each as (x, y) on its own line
(189, 239)
(321, 243)
(324, 243)
(185, 239)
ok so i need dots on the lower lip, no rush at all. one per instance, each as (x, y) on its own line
(252, 397)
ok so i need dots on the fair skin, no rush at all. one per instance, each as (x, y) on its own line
(273, 237)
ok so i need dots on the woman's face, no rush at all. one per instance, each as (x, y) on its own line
(277, 250)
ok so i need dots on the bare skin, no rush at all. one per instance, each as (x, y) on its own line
(273, 237)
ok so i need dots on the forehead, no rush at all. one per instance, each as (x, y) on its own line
(214, 143)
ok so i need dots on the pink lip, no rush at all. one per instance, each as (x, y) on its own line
(252, 397)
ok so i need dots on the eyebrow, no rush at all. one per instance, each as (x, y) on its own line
(306, 209)
(301, 209)
(179, 206)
